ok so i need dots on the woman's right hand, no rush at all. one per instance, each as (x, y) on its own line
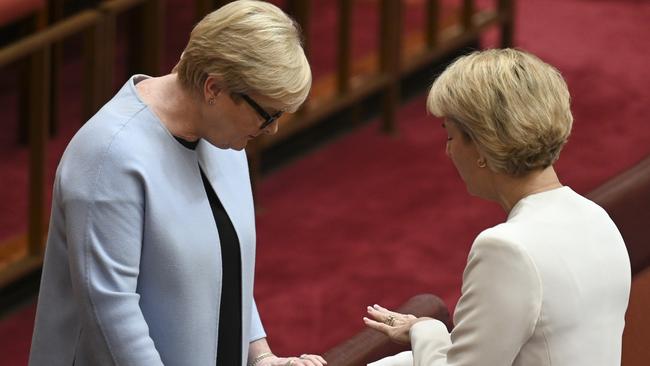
(395, 325)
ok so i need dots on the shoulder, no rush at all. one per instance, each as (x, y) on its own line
(505, 235)
(112, 149)
(502, 252)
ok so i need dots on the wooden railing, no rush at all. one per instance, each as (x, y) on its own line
(24, 253)
(36, 51)
(348, 85)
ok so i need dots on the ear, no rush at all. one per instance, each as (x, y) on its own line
(481, 162)
(212, 87)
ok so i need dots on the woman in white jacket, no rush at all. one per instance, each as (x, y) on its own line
(549, 286)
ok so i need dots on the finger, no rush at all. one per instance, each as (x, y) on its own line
(320, 359)
(390, 312)
(304, 362)
(378, 314)
(316, 359)
(312, 361)
(386, 316)
(377, 325)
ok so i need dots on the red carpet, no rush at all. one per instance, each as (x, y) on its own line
(375, 218)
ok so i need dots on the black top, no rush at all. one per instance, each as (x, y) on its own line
(230, 317)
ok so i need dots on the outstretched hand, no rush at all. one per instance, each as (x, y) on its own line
(395, 325)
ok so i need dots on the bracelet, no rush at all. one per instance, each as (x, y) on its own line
(260, 358)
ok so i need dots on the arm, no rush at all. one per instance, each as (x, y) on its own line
(496, 314)
(260, 354)
(104, 228)
(257, 329)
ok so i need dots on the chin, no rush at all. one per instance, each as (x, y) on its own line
(238, 147)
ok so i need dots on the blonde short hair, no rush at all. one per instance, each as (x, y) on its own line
(515, 107)
(254, 47)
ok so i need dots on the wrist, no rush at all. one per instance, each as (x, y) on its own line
(260, 357)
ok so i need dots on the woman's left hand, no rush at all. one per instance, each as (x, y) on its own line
(395, 325)
(302, 360)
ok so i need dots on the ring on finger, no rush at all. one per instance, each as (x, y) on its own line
(390, 321)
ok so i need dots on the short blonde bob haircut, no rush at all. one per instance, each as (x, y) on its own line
(515, 107)
(253, 47)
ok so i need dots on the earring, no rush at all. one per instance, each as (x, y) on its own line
(211, 101)
(481, 163)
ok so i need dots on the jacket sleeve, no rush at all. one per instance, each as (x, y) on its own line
(495, 316)
(257, 329)
(104, 218)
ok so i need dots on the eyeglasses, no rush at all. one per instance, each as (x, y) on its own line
(268, 119)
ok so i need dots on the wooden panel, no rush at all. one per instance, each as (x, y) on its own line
(12, 249)
(467, 14)
(391, 30)
(637, 322)
(344, 52)
(25, 255)
(95, 72)
(202, 8)
(151, 36)
(19, 269)
(432, 23)
(300, 11)
(506, 9)
(39, 81)
(48, 36)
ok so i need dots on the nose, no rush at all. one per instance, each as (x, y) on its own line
(271, 129)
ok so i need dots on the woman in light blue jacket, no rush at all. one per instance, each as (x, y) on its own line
(151, 251)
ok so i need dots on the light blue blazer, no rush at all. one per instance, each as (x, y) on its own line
(132, 273)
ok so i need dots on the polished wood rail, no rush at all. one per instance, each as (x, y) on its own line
(38, 51)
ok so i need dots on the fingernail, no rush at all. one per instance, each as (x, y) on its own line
(376, 306)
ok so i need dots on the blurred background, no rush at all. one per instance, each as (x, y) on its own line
(357, 203)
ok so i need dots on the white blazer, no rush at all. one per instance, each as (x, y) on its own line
(132, 272)
(550, 286)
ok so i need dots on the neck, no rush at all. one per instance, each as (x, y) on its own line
(509, 190)
(173, 105)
